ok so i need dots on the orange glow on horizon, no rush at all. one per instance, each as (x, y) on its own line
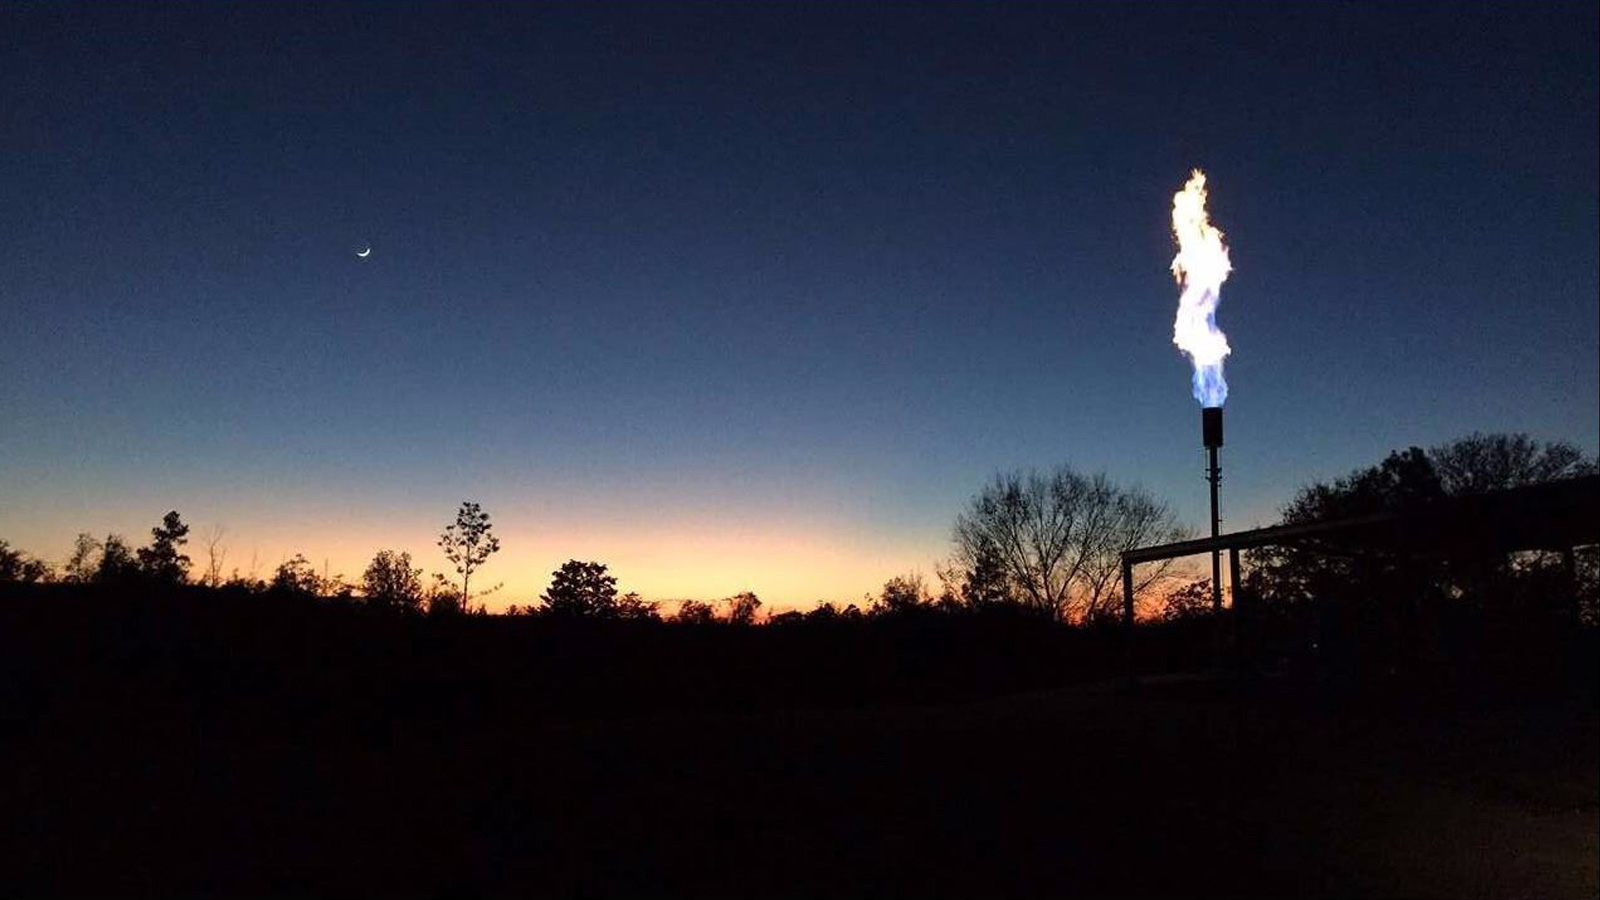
(788, 565)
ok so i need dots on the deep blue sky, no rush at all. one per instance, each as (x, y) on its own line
(754, 296)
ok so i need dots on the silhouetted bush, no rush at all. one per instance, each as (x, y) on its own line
(391, 582)
(580, 590)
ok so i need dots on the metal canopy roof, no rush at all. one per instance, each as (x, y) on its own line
(1555, 515)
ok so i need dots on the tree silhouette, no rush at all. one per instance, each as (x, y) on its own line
(1289, 578)
(900, 595)
(633, 608)
(581, 590)
(693, 612)
(440, 597)
(116, 561)
(1188, 602)
(1404, 479)
(216, 554)
(161, 561)
(81, 565)
(823, 612)
(742, 608)
(1059, 537)
(18, 566)
(390, 582)
(1489, 462)
(296, 576)
(467, 544)
(986, 585)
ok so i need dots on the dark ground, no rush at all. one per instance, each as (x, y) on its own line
(203, 754)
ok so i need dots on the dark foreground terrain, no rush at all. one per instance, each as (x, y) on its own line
(207, 754)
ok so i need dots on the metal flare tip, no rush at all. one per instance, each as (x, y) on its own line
(1211, 426)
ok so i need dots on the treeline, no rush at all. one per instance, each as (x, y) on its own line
(1511, 614)
(1290, 579)
(1044, 545)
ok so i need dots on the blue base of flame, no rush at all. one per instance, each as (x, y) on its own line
(1210, 388)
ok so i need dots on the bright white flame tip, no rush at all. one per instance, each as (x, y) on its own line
(1201, 267)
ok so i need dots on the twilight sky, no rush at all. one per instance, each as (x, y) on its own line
(754, 296)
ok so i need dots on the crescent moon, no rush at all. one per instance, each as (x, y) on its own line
(364, 253)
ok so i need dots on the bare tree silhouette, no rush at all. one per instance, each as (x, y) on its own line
(1058, 537)
(216, 554)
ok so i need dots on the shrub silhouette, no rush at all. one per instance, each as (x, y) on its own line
(581, 590)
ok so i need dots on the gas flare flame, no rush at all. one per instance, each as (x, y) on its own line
(1201, 267)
